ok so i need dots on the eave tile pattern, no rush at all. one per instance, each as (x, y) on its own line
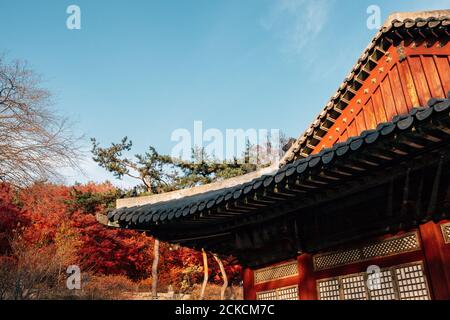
(214, 204)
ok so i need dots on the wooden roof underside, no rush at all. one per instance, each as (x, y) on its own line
(336, 176)
(416, 30)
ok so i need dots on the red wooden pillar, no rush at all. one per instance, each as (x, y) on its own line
(306, 280)
(249, 286)
(437, 258)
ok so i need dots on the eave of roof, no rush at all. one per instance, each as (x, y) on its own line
(400, 128)
(398, 26)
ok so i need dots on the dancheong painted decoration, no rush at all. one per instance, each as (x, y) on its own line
(367, 184)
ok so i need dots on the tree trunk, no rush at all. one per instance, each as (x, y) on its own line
(155, 269)
(205, 275)
(224, 276)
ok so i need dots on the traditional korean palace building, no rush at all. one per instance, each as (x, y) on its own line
(366, 184)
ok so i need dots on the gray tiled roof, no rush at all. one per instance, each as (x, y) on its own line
(400, 129)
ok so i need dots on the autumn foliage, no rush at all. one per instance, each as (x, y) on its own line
(59, 222)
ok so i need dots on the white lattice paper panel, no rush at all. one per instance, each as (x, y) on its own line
(412, 283)
(383, 288)
(286, 293)
(404, 282)
(354, 287)
(290, 293)
(267, 295)
(328, 289)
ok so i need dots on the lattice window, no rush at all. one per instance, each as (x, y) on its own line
(267, 295)
(401, 244)
(276, 272)
(445, 228)
(290, 293)
(286, 293)
(412, 284)
(354, 287)
(396, 245)
(336, 259)
(328, 289)
(384, 289)
(405, 282)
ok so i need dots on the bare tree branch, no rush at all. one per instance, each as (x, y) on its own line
(34, 141)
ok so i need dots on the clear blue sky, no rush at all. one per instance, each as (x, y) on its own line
(146, 68)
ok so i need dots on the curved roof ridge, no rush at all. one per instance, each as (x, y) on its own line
(401, 16)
